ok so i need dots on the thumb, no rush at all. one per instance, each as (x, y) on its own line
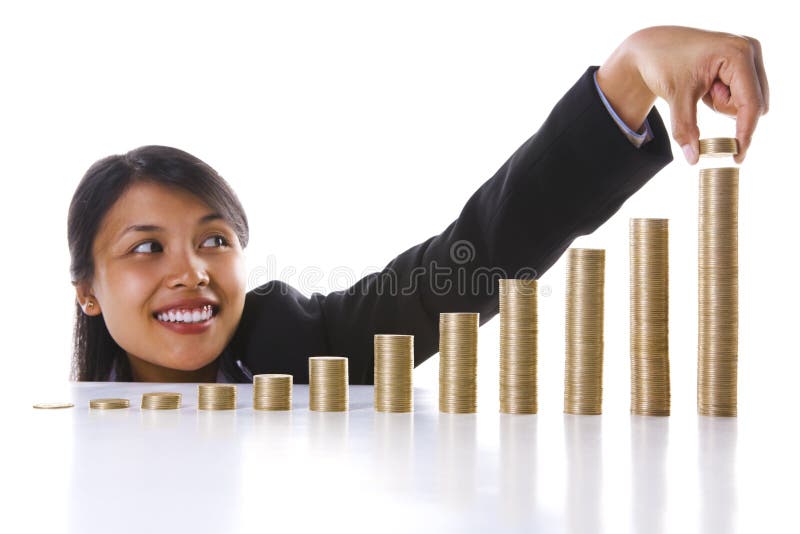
(683, 112)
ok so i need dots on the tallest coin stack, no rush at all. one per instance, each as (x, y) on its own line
(718, 283)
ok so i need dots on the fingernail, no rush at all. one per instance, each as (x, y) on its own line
(688, 151)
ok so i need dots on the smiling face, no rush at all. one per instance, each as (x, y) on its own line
(140, 271)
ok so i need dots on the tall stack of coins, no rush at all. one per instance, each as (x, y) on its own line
(394, 364)
(216, 397)
(458, 362)
(518, 346)
(583, 375)
(328, 383)
(272, 392)
(109, 404)
(161, 401)
(649, 316)
(718, 287)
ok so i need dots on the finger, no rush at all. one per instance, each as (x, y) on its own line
(749, 102)
(760, 71)
(683, 113)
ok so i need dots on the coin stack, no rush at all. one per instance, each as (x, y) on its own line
(649, 316)
(216, 397)
(109, 404)
(518, 346)
(718, 284)
(394, 363)
(458, 362)
(583, 375)
(161, 401)
(272, 392)
(328, 383)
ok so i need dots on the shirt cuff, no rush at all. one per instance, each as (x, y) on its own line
(638, 139)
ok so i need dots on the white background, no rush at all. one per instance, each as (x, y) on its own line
(352, 131)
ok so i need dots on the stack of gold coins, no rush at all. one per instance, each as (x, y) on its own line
(583, 374)
(394, 364)
(328, 383)
(109, 404)
(272, 392)
(161, 401)
(719, 146)
(458, 362)
(518, 346)
(649, 316)
(216, 397)
(718, 288)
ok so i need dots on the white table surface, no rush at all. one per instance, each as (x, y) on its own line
(132, 470)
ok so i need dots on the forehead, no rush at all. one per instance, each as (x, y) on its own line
(149, 203)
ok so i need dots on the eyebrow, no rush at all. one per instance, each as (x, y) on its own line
(154, 228)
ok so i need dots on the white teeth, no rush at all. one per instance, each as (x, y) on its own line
(195, 315)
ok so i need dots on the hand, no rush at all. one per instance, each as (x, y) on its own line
(683, 65)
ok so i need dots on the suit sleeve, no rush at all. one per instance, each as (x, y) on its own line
(565, 181)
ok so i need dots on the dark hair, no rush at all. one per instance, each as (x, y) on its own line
(95, 352)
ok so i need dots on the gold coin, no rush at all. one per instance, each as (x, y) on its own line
(649, 316)
(53, 405)
(718, 292)
(272, 392)
(583, 372)
(161, 401)
(719, 146)
(394, 364)
(109, 404)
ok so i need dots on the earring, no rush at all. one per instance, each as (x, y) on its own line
(90, 305)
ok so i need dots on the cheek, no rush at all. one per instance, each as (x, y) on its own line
(124, 291)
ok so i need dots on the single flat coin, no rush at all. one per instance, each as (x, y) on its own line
(53, 405)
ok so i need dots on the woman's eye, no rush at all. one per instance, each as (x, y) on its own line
(222, 240)
(140, 245)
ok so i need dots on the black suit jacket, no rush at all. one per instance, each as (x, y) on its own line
(564, 181)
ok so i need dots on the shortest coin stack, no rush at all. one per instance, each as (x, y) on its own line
(161, 401)
(216, 397)
(272, 392)
(719, 146)
(109, 404)
(328, 383)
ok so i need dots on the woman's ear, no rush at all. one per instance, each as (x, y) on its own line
(87, 301)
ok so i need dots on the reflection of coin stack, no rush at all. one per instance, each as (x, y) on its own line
(718, 284)
(161, 401)
(583, 375)
(216, 397)
(109, 404)
(518, 331)
(649, 316)
(328, 383)
(458, 362)
(394, 364)
(272, 392)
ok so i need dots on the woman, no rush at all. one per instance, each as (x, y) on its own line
(156, 235)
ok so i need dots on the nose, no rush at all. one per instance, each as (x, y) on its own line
(188, 270)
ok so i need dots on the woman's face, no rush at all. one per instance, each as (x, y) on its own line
(141, 271)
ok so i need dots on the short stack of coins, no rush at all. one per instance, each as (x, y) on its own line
(718, 284)
(109, 404)
(518, 346)
(649, 316)
(394, 366)
(272, 392)
(161, 401)
(583, 374)
(458, 362)
(216, 397)
(328, 383)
